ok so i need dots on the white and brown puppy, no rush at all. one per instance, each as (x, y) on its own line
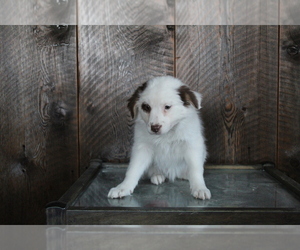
(168, 137)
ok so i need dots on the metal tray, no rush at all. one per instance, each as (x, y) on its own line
(240, 195)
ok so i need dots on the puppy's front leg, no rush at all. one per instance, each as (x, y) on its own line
(195, 164)
(141, 158)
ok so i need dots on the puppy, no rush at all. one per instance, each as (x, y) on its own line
(168, 138)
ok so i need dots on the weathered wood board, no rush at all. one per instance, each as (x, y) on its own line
(126, 12)
(38, 125)
(227, 12)
(289, 12)
(289, 102)
(236, 70)
(113, 62)
(38, 12)
(63, 101)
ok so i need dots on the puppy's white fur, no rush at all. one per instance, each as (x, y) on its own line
(168, 137)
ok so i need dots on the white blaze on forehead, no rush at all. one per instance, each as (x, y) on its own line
(161, 90)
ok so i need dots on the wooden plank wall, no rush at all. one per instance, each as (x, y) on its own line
(114, 61)
(63, 92)
(38, 110)
(235, 69)
(241, 120)
(289, 102)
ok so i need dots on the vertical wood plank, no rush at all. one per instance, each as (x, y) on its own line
(289, 12)
(289, 102)
(126, 12)
(38, 12)
(227, 12)
(113, 62)
(235, 69)
(38, 138)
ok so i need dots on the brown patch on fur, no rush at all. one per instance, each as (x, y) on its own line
(134, 98)
(188, 97)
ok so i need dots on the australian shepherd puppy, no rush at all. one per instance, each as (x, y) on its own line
(168, 137)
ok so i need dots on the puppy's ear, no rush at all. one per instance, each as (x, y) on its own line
(134, 98)
(189, 97)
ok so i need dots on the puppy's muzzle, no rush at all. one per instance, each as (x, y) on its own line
(155, 128)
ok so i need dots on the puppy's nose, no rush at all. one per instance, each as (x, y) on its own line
(155, 128)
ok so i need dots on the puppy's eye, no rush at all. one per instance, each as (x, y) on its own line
(146, 107)
(167, 107)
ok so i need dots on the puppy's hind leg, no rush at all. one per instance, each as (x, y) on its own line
(140, 160)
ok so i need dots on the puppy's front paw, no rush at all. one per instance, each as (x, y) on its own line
(201, 193)
(119, 192)
(157, 179)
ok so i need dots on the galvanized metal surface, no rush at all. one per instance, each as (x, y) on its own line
(230, 188)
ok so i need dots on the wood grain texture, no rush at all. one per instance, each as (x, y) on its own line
(126, 12)
(235, 69)
(113, 62)
(38, 140)
(226, 12)
(38, 12)
(289, 102)
(289, 14)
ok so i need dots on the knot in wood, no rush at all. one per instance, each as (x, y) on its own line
(228, 106)
(60, 113)
(91, 108)
(293, 50)
(171, 27)
(62, 2)
(229, 114)
(62, 27)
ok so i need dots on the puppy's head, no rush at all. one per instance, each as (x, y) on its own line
(162, 103)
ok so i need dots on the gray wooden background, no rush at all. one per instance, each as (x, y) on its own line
(63, 92)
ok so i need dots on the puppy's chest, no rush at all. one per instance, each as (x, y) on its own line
(169, 151)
